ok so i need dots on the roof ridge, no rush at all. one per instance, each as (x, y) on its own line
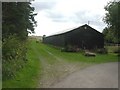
(70, 29)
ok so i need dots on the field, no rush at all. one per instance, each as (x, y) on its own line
(47, 65)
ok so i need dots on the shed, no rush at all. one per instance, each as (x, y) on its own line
(83, 37)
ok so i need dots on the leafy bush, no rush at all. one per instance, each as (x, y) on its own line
(102, 51)
(14, 56)
(117, 50)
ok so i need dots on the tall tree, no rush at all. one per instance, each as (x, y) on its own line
(17, 18)
(113, 20)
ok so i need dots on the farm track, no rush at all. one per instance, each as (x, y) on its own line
(98, 76)
(54, 69)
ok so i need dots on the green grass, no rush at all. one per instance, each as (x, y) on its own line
(28, 76)
(79, 57)
(111, 49)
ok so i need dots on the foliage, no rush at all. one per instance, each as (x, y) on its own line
(113, 20)
(37, 52)
(13, 57)
(108, 35)
(102, 51)
(27, 77)
(17, 19)
(117, 50)
(78, 57)
(111, 48)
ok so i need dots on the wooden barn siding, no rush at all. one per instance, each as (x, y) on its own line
(79, 37)
(88, 38)
(57, 40)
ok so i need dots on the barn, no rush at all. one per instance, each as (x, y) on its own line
(83, 37)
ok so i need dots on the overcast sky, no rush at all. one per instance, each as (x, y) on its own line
(60, 15)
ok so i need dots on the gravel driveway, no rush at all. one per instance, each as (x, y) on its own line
(98, 76)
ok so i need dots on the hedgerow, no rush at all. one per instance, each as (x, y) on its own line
(13, 56)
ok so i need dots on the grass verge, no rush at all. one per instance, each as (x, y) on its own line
(79, 57)
(28, 76)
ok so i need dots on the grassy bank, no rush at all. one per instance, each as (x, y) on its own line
(47, 61)
(57, 64)
(28, 76)
(79, 57)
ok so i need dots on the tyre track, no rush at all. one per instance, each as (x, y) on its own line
(57, 71)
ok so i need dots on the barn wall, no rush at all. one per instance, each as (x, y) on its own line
(81, 37)
(57, 40)
(85, 38)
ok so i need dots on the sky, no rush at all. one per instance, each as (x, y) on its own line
(61, 15)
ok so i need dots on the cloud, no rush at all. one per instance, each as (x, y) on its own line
(85, 16)
(39, 6)
(56, 15)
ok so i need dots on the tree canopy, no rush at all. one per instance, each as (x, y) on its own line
(112, 19)
(17, 19)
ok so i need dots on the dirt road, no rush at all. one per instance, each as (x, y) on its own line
(56, 69)
(98, 76)
(56, 72)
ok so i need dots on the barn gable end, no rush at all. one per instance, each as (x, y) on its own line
(84, 37)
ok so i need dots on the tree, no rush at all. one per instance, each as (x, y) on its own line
(108, 35)
(112, 20)
(17, 19)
